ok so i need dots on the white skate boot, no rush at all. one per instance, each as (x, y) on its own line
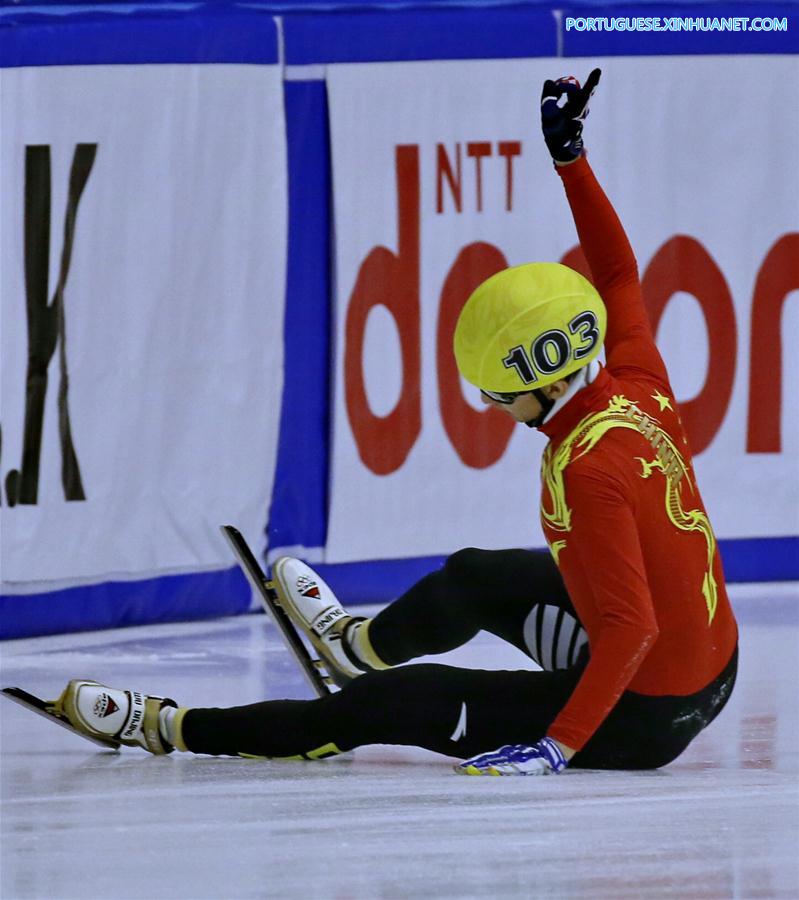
(313, 608)
(111, 714)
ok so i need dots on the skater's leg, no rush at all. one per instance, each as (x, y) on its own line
(458, 712)
(517, 595)
(454, 711)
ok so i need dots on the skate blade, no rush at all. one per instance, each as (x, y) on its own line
(45, 709)
(314, 670)
(320, 665)
(270, 586)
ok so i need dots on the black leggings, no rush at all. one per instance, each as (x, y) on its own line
(518, 595)
(460, 712)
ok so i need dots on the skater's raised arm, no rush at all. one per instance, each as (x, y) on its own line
(629, 342)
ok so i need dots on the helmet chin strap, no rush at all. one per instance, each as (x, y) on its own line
(546, 407)
(577, 381)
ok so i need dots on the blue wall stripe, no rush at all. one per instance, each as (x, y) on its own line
(750, 559)
(417, 34)
(93, 37)
(171, 598)
(221, 593)
(234, 33)
(298, 512)
(496, 32)
(761, 559)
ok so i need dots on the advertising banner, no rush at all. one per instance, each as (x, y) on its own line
(441, 178)
(143, 267)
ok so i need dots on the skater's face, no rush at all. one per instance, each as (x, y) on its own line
(525, 407)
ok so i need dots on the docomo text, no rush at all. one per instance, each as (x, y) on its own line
(656, 23)
(681, 264)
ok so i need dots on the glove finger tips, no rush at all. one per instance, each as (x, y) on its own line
(585, 93)
(593, 80)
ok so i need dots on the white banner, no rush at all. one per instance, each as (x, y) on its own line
(441, 176)
(141, 374)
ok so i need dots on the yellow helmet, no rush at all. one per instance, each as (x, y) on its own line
(529, 326)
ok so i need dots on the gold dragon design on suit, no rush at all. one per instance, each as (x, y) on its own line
(624, 413)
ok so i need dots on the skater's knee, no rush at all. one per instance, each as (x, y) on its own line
(463, 566)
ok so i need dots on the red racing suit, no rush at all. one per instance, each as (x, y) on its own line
(620, 507)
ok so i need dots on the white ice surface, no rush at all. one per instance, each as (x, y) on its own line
(386, 822)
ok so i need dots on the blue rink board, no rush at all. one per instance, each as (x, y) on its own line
(123, 35)
(526, 31)
(754, 559)
(47, 34)
(174, 598)
(112, 604)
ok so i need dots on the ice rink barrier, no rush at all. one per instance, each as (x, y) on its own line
(307, 46)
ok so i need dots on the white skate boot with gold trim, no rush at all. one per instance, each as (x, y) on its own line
(313, 607)
(126, 717)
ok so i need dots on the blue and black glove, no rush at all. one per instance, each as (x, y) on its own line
(544, 758)
(564, 106)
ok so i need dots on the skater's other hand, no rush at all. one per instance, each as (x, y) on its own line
(544, 758)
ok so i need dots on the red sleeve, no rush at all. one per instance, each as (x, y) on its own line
(629, 342)
(612, 592)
